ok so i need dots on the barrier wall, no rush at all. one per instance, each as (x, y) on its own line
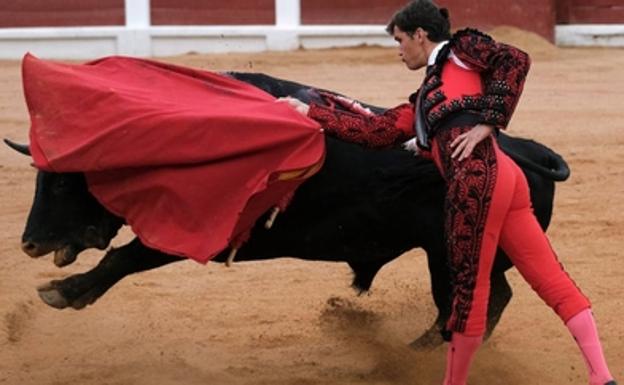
(60, 13)
(590, 23)
(83, 29)
(207, 12)
(590, 11)
(533, 15)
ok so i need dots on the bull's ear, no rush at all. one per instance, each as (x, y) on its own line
(21, 148)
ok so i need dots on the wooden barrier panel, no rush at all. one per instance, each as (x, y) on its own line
(212, 12)
(590, 11)
(533, 15)
(60, 13)
(348, 11)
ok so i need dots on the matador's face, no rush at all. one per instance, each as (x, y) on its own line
(412, 47)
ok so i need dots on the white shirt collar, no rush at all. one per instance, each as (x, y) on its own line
(434, 53)
(436, 50)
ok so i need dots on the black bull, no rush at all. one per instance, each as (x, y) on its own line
(365, 207)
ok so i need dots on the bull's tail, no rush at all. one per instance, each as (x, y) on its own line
(535, 157)
(556, 167)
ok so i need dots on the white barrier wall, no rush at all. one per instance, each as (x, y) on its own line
(586, 35)
(139, 38)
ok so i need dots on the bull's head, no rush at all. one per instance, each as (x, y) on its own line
(65, 218)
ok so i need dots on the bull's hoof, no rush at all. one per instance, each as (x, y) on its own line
(70, 293)
(52, 296)
(431, 339)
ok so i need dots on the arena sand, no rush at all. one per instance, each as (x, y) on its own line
(294, 322)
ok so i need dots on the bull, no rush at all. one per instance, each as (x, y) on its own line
(365, 207)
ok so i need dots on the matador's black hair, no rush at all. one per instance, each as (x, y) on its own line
(423, 14)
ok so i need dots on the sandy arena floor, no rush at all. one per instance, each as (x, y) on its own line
(294, 322)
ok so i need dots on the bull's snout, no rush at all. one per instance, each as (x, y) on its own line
(63, 255)
(33, 250)
(29, 248)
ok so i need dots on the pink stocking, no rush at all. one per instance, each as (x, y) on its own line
(584, 331)
(460, 353)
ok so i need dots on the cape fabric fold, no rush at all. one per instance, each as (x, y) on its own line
(189, 158)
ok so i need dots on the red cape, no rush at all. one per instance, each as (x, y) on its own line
(189, 158)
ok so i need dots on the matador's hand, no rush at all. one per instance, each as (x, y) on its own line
(466, 142)
(297, 104)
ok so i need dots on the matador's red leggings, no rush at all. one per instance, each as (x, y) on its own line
(488, 205)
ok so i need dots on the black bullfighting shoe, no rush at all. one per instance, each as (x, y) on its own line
(611, 383)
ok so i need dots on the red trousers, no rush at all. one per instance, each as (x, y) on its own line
(488, 205)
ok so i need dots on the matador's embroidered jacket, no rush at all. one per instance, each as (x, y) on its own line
(502, 71)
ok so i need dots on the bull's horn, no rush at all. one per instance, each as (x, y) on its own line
(21, 148)
(230, 258)
(269, 223)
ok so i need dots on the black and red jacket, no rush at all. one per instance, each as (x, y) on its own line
(501, 68)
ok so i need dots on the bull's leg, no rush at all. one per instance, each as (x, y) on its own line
(500, 295)
(364, 273)
(80, 290)
(441, 292)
